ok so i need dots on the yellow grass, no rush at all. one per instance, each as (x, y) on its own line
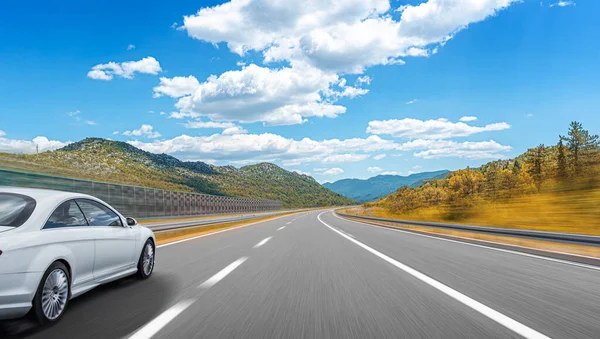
(562, 211)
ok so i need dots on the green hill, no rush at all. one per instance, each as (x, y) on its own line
(119, 162)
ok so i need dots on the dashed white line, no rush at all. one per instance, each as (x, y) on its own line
(498, 317)
(280, 228)
(150, 329)
(288, 223)
(262, 242)
(222, 274)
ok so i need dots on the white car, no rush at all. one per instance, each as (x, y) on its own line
(55, 246)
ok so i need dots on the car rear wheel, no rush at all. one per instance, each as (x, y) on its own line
(52, 296)
(146, 262)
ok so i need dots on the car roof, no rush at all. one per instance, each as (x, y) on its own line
(41, 194)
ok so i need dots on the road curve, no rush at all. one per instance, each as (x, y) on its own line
(315, 275)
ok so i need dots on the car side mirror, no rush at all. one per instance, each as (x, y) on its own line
(131, 221)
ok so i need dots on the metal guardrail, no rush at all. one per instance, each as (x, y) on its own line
(168, 226)
(539, 235)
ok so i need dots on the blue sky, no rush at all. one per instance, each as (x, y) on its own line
(322, 89)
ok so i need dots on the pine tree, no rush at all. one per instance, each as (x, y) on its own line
(582, 146)
(561, 168)
(535, 160)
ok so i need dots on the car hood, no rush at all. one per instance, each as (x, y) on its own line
(5, 228)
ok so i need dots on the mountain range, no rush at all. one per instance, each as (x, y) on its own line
(119, 162)
(365, 190)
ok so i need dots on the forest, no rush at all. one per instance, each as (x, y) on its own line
(549, 187)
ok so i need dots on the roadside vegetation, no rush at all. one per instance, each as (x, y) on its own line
(552, 188)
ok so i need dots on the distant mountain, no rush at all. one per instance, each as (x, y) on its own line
(377, 187)
(119, 162)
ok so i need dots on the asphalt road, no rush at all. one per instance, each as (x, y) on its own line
(324, 277)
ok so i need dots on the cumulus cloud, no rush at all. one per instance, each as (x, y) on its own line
(176, 87)
(130, 47)
(301, 172)
(29, 146)
(380, 156)
(145, 130)
(341, 36)
(209, 124)
(410, 102)
(390, 173)
(90, 122)
(374, 169)
(283, 96)
(468, 118)
(73, 113)
(429, 129)
(127, 69)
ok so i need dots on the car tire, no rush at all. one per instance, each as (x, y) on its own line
(53, 294)
(147, 260)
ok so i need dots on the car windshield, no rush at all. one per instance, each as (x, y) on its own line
(15, 209)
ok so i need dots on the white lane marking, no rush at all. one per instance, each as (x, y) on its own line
(222, 273)
(498, 317)
(567, 262)
(280, 228)
(288, 223)
(153, 327)
(217, 232)
(262, 242)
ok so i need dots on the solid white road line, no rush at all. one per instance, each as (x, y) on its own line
(487, 247)
(222, 273)
(217, 232)
(150, 329)
(262, 242)
(280, 228)
(498, 317)
(288, 223)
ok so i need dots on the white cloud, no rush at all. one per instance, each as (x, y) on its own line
(379, 156)
(468, 118)
(529, 115)
(74, 113)
(209, 124)
(130, 47)
(151, 112)
(145, 130)
(147, 65)
(429, 129)
(339, 158)
(563, 3)
(435, 149)
(90, 122)
(176, 87)
(365, 79)
(234, 130)
(416, 167)
(331, 171)
(116, 133)
(341, 36)
(374, 169)
(282, 96)
(29, 146)
(181, 115)
(410, 102)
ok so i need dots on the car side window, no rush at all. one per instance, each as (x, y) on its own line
(67, 214)
(98, 214)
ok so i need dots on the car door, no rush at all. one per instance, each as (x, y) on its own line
(115, 242)
(68, 227)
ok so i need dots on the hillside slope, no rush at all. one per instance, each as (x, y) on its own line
(379, 186)
(118, 162)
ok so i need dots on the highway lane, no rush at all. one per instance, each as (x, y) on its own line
(295, 277)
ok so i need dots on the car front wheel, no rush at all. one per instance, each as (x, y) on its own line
(52, 296)
(146, 262)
